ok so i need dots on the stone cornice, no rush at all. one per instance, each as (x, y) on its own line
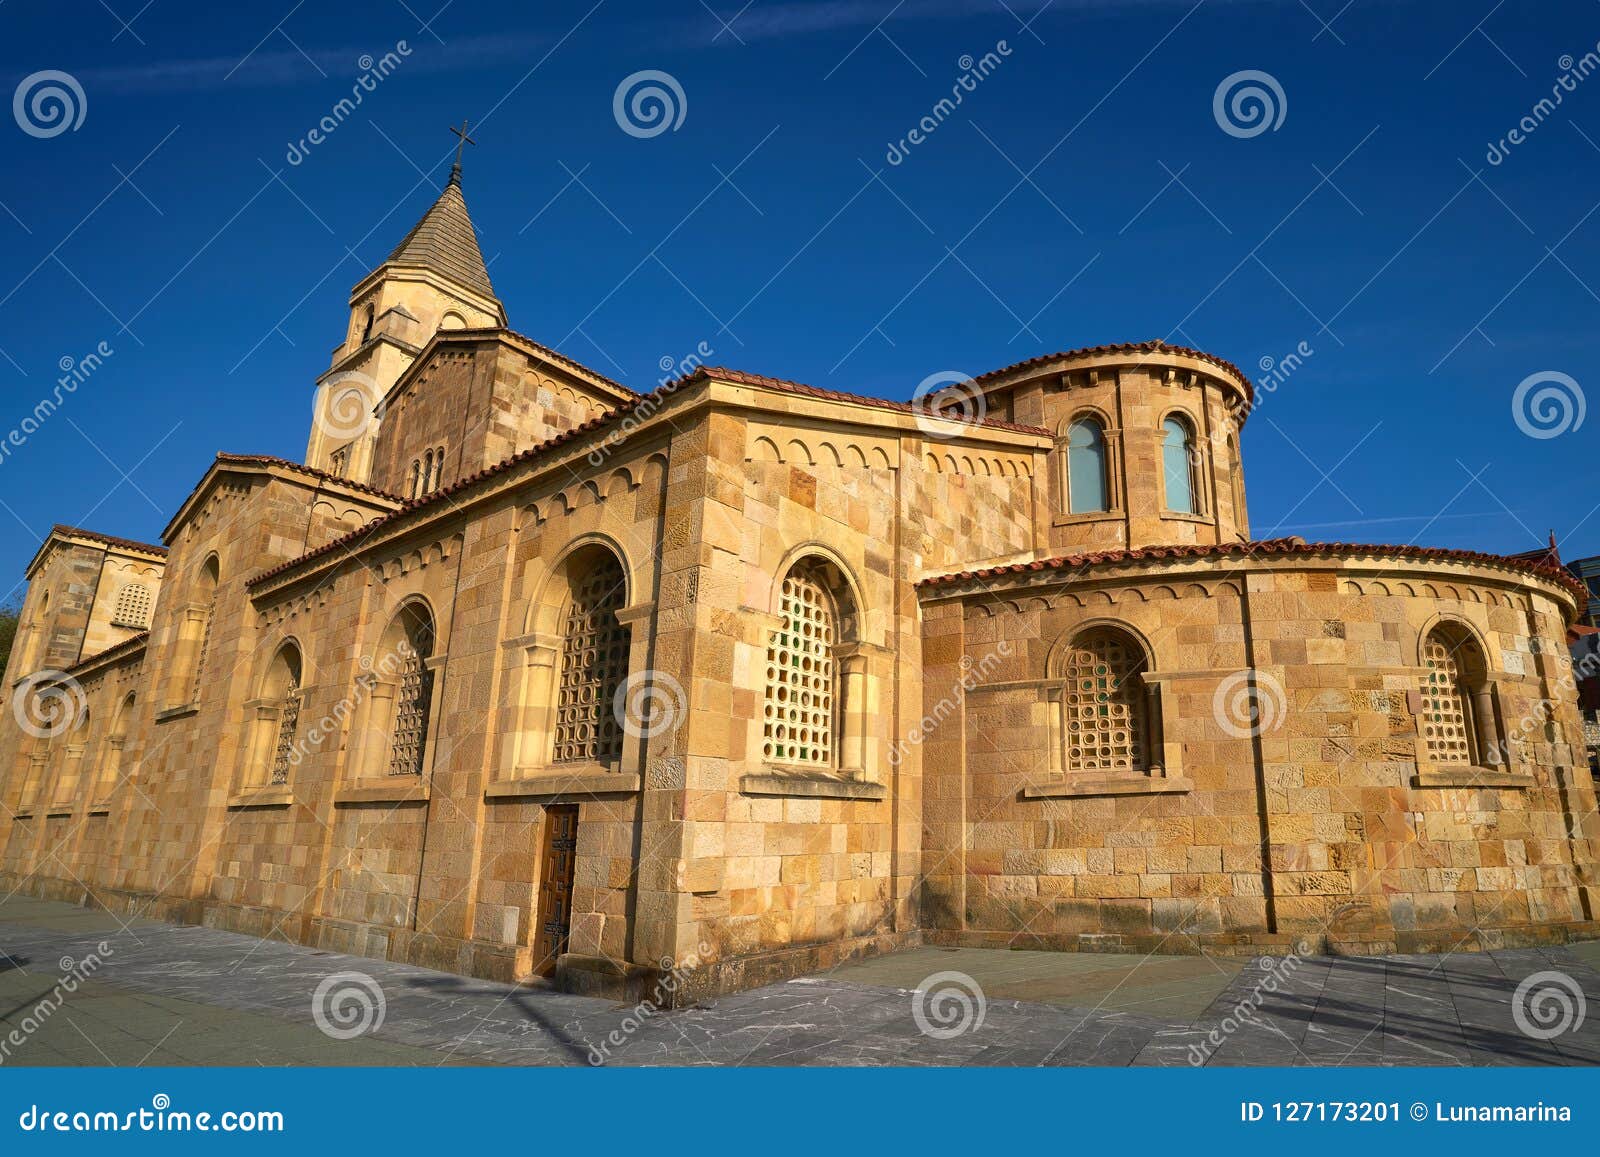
(77, 536)
(719, 390)
(1128, 355)
(1354, 561)
(280, 468)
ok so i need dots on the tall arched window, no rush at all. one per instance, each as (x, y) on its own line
(413, 692)
(814, 710)
(1088, 488)
(277, 721)
(366, 324)
(111, 753)
(416, 479)
(194, 637)
(594, 662)
(1180, 478)
(1104, 711)
(1458, 716)
(38, 635)
(1236, 479)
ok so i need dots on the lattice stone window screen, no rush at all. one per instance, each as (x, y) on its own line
(594, 661)
(411, 715)
(288, 722)
(133, 606)
(1446, 724)
(1103, 704)
(200, 654)
(798, 719)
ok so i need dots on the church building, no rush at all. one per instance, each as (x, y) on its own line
(522, 673)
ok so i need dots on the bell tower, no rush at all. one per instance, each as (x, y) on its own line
(434, 280)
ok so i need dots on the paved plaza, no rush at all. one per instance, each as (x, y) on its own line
(169, 995)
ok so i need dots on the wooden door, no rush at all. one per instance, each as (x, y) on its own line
(556, 864)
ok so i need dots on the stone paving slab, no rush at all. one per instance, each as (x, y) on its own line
(179, 995)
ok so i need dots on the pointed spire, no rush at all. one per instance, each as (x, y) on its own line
(445, 241)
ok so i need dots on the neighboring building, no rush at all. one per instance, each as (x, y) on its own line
(1587, 571)
(523, 672)
(1585, 645)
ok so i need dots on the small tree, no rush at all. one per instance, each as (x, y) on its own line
(9, 614)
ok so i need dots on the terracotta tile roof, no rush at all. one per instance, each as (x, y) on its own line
(445, 241)
(112, 651)
(1135, 347)
(300, 468)
(1271, 546)
(593, 424)
(740, 377)
(562, 359)
(110, 540)
(345, 541)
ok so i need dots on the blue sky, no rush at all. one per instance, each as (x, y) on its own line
(1084, 191)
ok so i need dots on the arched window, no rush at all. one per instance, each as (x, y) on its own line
(807, 704)
(594, 662)
(194, 637)
(413, 692)
(38, 636)
(133, 607)
(1458, 716)
(277, 721)
(1088, 480)
(415, 486)
(1104, 716)
(111, 753)
(366, 324)
(1179, 476)
(432, 469)
(1236, 477)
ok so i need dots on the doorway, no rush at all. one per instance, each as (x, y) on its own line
(556, 863)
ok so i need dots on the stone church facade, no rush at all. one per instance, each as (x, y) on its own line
(523, 673)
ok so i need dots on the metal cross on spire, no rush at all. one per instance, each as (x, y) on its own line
(455, 169)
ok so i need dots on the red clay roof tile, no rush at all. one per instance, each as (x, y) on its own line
(1271, 546)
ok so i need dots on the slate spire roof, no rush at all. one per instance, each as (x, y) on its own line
(445, 241)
